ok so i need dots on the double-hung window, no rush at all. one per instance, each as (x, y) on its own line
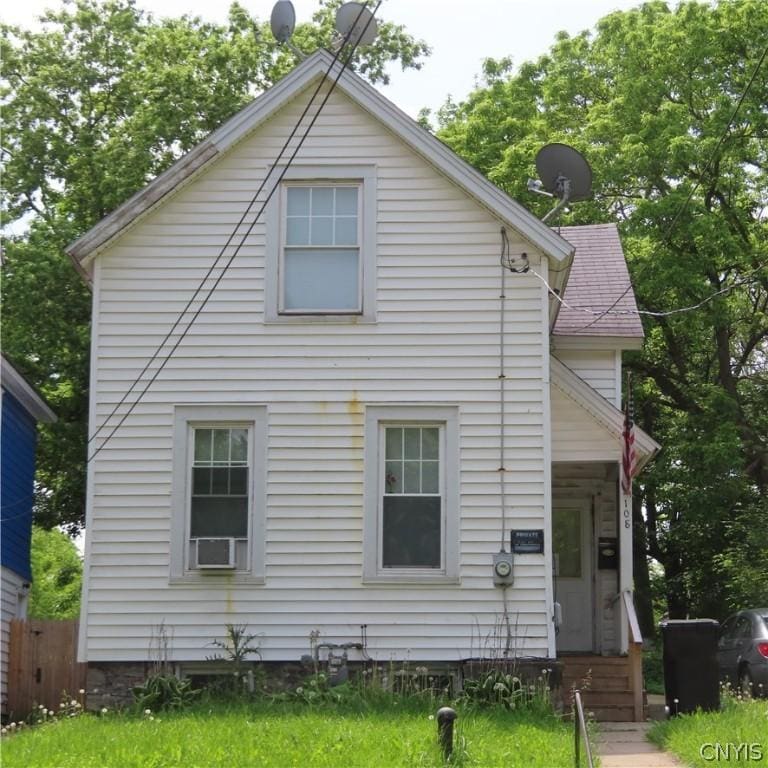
(411, 494)
(412, 510)
(320, 244)
(219, 497)
(219, 467)
(321, 270)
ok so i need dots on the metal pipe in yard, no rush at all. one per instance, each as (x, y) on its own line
(580, 732)
(445, 718)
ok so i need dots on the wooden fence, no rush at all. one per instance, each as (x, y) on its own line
(42, 665)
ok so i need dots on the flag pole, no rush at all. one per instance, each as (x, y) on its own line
(626, 472)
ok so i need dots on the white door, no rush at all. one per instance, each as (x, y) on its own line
(571, 541)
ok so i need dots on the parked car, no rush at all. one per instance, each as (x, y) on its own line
(742, 651)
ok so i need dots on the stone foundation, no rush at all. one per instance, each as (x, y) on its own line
(109, 683)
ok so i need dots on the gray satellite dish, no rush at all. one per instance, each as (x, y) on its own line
(283, 20)
(558, 162)
(356, 24)
(564, 174)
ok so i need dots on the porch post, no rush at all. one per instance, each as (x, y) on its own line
(625, 563)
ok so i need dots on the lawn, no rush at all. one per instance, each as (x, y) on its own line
(737, 734)
(285, 735)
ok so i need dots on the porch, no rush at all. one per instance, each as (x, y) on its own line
(598, 640)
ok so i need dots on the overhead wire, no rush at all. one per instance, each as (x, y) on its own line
(248, 231)
(646, 312)
(688, 199)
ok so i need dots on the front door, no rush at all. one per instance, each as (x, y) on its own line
(572, 538)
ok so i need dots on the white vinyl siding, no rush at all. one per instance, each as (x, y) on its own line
(600, 368)
(434, 342)
(14, 606)
(577, 435)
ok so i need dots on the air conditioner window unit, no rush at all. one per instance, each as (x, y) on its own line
(215, 553)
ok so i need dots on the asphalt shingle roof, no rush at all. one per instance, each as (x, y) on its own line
(599, 276)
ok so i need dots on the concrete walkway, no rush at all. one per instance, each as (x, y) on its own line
(625, 745)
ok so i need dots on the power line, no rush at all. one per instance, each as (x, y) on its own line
(680, 210)
(646, 312)
(250, 227)
(222, 251)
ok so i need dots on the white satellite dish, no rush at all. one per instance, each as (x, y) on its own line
(564, 173)
(283, 20)
(356, 24)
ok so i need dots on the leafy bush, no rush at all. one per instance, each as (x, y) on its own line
(164, 692)
(500, 687)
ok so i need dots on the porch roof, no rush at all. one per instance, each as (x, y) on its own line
(602, 411)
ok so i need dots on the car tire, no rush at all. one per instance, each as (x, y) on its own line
(746, 685)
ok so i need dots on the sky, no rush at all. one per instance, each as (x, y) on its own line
(461, 33)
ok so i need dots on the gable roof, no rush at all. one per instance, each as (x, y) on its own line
(598, 277)
(32, 402)
(83, 250)
(600, 409)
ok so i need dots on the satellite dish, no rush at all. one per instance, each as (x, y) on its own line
(283, 20)
(564, 172)
(356, 24)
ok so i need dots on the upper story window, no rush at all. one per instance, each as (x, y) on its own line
(321, 246)
(320, 260)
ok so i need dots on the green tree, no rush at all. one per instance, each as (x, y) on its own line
(96, 104)
(57, 574)
(670, 108)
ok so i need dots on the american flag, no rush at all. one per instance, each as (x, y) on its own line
(628, 457)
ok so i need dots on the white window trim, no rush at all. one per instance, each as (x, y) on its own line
(274, 233)
(185, 418)
(377, 416)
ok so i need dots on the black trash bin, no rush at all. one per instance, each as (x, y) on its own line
(691, 672)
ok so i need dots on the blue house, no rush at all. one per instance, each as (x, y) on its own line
(20, 410)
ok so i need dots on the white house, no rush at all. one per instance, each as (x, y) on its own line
(356, 422)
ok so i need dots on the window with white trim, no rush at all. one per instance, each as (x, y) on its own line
(411, 494)
(321, 246)
(217, 525)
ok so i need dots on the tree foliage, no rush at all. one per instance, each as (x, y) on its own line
(670, 109)
(96, 103)
(57, 573)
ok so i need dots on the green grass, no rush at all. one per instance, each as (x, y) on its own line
(736, 724)
(285, 735)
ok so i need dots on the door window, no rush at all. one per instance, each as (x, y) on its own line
(567, 542)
